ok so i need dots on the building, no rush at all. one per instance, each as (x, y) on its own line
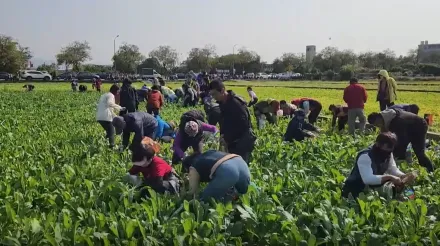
(310, 53)
(426, 50)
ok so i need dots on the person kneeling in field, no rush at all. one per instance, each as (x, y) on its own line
(339, 113)
(311, 107)
(288, 108)
(29, 87)
(156, 172)
(412, 108)
(376, 169)
(409, 128)
(190, 133)
(165, 130)
(298, 129)
(142, 124)
(266, 109)
(226, 175)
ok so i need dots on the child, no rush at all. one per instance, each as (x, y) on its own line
(157, 173)
(254, 98)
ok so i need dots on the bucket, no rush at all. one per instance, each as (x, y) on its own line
(429, 119)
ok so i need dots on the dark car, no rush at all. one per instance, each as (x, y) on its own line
(5, 76)
(81, 76)
(181, 76)
(66, 76)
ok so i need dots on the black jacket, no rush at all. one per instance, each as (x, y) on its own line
(295, 130)
(141, 123)
(235, 118)
(129, 98)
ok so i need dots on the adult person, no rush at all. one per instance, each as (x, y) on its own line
(165, 130)
(204, 87)
(156, 172)
(298, 129)
(386, 90)
(266, 109)
(413, 108)
(225, 173)
(409, 128)
(376, 169)
(29, 87)
(179, 94)
(169, 94)
(355, 96)
(253, 96)
(190, 96)
(212, 110)
(339, 114)
(155, 100)
(190, 134)
(82, 88)
(288, 108)
(236, 131)
(142, 124)
(311, 107)
(128, 97)
(74, 85)
(98, 84)
(105, 114)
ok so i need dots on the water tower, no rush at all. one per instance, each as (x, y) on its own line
(310, 53)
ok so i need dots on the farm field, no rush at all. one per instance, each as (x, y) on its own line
(61, 185)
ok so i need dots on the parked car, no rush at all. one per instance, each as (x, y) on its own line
(285, 77)
(250, 76)
(262, 76)
(30, 75)
(81, 76)
(66, 76)
(5, 76)
(273, 76)
(181, 76)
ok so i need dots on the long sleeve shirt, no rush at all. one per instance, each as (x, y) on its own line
(364, 166)
(178, 140)
(137, 122)
(106, 105)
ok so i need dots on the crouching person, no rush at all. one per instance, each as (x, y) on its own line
(266, 109)
(156, 172)
(376, 169)
(298, 129)
(190, 134)
(227, 175)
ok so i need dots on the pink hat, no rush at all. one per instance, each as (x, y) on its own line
(191, 128)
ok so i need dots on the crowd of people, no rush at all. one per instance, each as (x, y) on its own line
(227, 171)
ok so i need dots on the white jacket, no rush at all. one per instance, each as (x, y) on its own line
(106, 105)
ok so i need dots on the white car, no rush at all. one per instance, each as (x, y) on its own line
(262, 76)
(35, 75)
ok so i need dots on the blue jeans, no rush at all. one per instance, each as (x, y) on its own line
(231, 173)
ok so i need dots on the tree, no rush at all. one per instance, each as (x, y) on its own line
(293, 62)
(49, 68)
(13, 56)
(278, 66)
(128, 58)
(74, 54)
(201, 58)
(153, 63)
(167, 57)
(94, 68)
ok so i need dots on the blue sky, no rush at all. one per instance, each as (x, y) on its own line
(267, 27)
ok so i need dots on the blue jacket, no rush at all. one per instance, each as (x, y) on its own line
(163, 128)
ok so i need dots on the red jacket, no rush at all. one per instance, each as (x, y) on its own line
(355, 96)
(155, 99)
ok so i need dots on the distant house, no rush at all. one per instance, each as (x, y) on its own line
(426, 50)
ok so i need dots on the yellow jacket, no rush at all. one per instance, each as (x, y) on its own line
(391, 87)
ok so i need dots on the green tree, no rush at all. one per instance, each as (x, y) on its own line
(153, 63)
(49, 68)
(94, 68)
(128, 58)
(166, 56)
(74, 54)
(201, 58)
(13, 56)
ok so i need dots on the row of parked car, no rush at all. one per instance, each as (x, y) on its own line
(31, 75)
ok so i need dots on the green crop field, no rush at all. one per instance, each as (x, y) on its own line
(61, 185)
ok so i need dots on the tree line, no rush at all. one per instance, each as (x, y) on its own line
(329, 63)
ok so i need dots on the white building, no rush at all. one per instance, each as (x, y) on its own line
(425, 50)
(310, 53)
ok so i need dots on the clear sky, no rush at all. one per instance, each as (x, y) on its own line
(269, 27)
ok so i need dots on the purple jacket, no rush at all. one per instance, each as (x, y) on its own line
(177, 141)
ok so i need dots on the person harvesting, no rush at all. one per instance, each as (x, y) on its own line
(155, 100)
(386, 90)
(105, 113)
(355, 96)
